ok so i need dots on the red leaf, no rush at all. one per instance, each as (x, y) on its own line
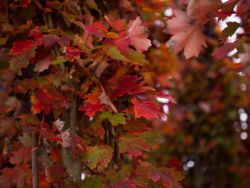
(164, 95)
(146, 109)
(21, 155)
(56, 139)
(21, 46)
(223, 15)
(97, 29)
(43, 101)
(48, 40)
(154, 176)
(92, 109)
(37, 34)
(122, 43)
(128, 85)
(125, 184)
(72, 53)
(25, 3)
(137, 35)
(223, 50)
(116, 24)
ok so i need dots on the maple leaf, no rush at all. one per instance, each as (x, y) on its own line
(223, 50)
(122, 42)
(93, 182)
(97, 29)
(115, 119)
(245, 56)
(20, 156)
(72, 53)
(185, 35)
(136, 34)
(59, 124)
(200, 9)
(133, 145)
(42, 101)
(37, 34)
(66, 138)
(125, 184)
(128, 85)
(92, 97)
(92, 109)
(114, 53)
(224, 14)
(49, 39)
(165, 96)
(116, 24)
(21, 46)
(147, 109)
(101, 155)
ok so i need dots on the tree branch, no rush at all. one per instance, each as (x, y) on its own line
(34, 156)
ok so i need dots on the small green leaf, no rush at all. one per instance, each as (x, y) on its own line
(114, 53)
(26, 140)
(230, 29)
(59, 60)
(115, 119)
(137, 57)
(106, 115)
(92, 182)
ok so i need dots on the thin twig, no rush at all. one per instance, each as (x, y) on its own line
(34, 161)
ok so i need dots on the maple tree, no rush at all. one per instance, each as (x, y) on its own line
(84, 85)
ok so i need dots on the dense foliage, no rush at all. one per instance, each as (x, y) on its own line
(127, 93)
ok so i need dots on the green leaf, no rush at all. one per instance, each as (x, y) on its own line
(114, 53)
(137, 57)
(99, 155)
(59, 60)
(118, 119)
(92, 182)
(230, 29)
(151, 138)
(106, 115)
(133, 145)
(115, 119)
(26, 140)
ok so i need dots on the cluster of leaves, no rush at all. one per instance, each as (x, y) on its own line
(204, 129)
(74, 99)
(79, 83)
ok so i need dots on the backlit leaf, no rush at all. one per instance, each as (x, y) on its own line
(136, 34)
